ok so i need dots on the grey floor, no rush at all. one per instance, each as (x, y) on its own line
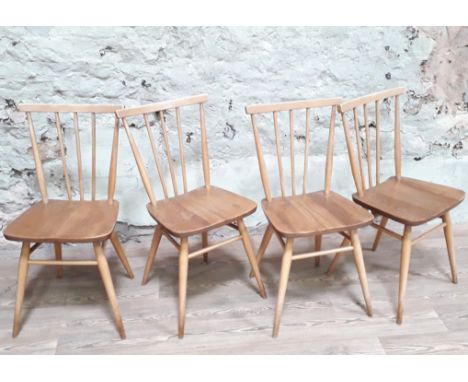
(225, 315)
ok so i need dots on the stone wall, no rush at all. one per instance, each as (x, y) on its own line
(235, 67)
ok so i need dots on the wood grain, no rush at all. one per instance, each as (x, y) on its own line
(200, 210)
(64, 221)
(314, 213)
(410, 201)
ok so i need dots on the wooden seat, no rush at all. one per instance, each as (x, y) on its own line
(315, 213)
(302, 214)
(65, 221)
(410, 201)
(187, 212)
(200, 210)
(69, 221)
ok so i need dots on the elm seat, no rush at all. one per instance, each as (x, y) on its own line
(410, 201)
(200, 210)
(314, 213)
(65, 221)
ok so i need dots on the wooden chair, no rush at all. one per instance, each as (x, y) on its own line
(303, 214)
(69, 221)
(187, 213)
(404, 200)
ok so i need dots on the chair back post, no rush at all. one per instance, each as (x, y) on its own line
(397, 138)
(113, 164)
(261, 160)
(37, 159)
(363, 145)
(204, 143)
(74, 110)
(290, 108)
(330, 147)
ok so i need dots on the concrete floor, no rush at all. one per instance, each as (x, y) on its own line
(225, 315)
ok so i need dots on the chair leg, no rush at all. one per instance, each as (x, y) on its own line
(21, 286)
(204, 245)
(263, 246)
(285, 268)
(121, 254)
(318, 246)
(183, 272)
(404, 267)
(359, 260)
(250, 255)
(450, 247)
(379, 233)
(152, 253)
(109, 287)
(336, 259)
(58, 256)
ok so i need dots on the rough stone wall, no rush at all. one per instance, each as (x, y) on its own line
(235, 67)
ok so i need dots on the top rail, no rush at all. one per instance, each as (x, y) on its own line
(160, 106)
(292, 105)
(351, 104)
(67, 108)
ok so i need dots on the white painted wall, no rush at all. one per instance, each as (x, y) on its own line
(235, 67)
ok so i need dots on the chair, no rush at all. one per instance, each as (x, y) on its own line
(305, 214)
(186, 213)
(69, 221)
(404, 200)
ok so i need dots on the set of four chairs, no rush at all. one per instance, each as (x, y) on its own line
(184, 213)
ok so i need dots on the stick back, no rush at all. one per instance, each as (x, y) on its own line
(75, 110)
(291, 108)
(159, 111)
(363, 144)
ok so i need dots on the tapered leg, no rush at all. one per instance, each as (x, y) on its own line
(263, 246)
(251, 257)
(152, 254)
(450, 247)
(359, 260)
(121, 254)
(379, 233)
(318, 246)
(21, 286)
(336, 259)
(285, 268)
(183, 272)
(109, 287)
(205, 244)
(404, 267)
(58, 256)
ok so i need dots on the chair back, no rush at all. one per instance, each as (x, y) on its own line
(51, 115)
(362, 137)
(291, 109)
(159, 113)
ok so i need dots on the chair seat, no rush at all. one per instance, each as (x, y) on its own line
(410, 201)
(314, 213)
(200, 210)
(64, 221)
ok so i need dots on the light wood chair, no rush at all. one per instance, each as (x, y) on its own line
(187, 213)
(404, 200)
(303, 213)
(69, 221)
